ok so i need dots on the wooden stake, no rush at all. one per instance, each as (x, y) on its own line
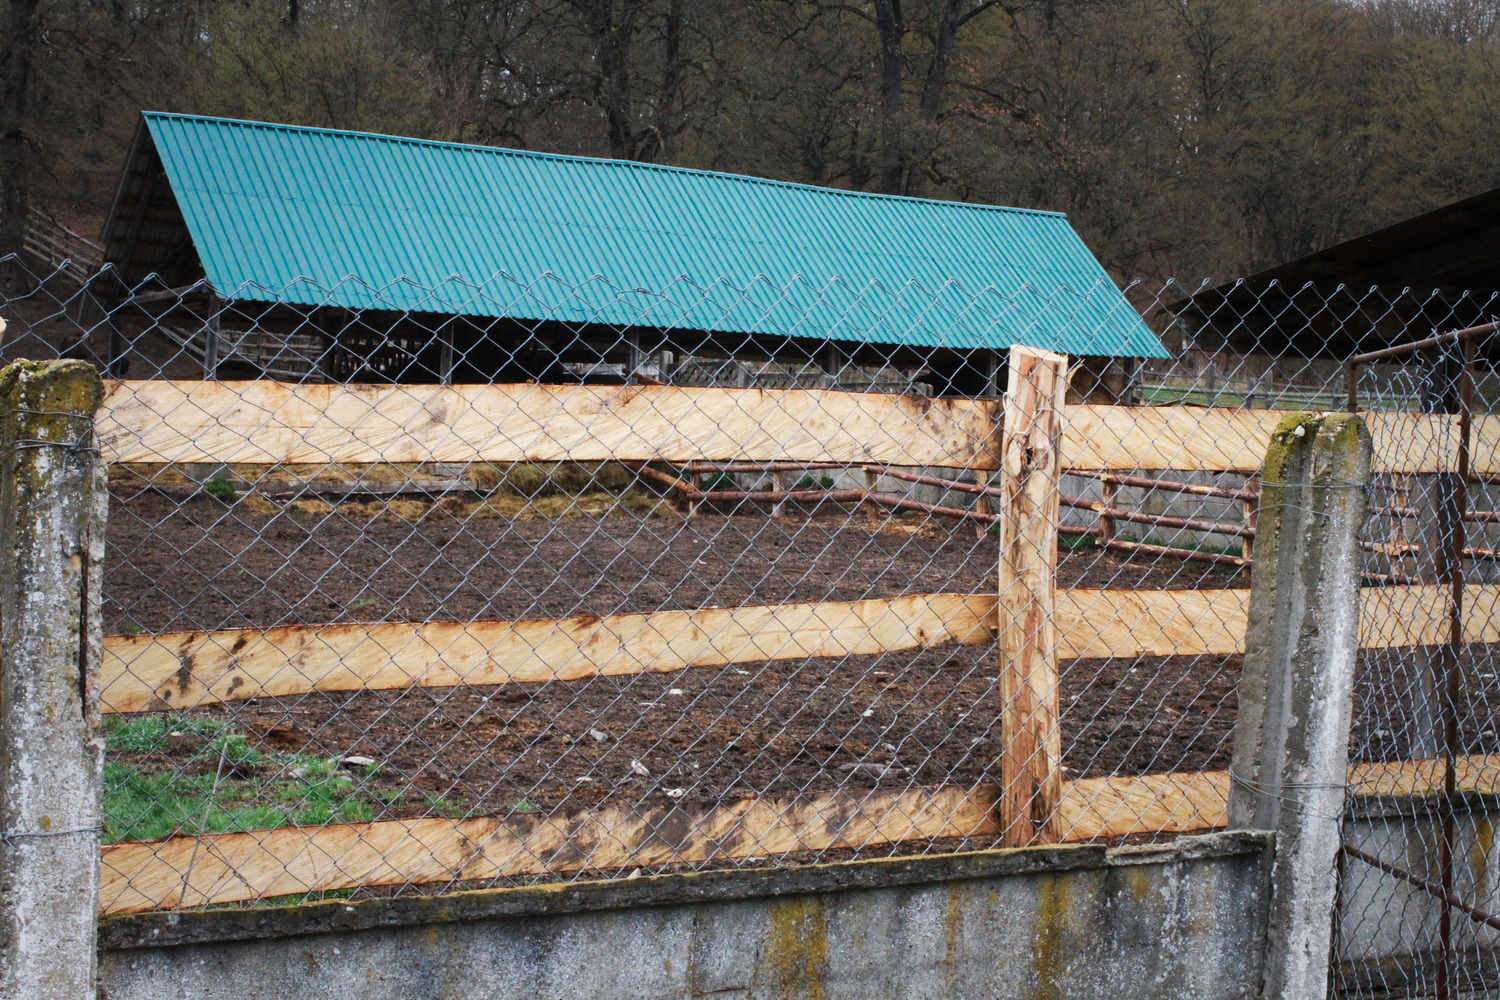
(981, 502)
(1031, 466)
(1251, 507)
(1107, 502)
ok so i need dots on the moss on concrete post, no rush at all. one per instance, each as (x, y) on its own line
(52, 506)
(1291, 737)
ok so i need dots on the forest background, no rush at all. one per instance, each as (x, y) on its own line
(1187, 138)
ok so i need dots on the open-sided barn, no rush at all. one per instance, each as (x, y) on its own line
(347, 256)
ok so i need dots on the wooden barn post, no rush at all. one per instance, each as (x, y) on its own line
(1031, 468)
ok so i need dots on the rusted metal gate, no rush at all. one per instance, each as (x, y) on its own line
(1417, 869)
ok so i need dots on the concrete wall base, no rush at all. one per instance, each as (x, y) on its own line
(1182, 920)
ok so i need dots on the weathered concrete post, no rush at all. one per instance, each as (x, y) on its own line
(1291, 737)
(52, 506)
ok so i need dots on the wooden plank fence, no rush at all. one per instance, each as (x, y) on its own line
(183, 670)
(1032, 625)
(234, 867)
(165, 421)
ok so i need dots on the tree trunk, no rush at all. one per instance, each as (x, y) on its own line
(614, 92)
(943, 38)
(14, 199)
(652, 143)
(892, 30)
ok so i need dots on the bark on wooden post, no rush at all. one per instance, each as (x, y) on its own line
(1291, 736)
(981, 503)
(1249, 509)
(1031, 466)
(1108, 499)
(52, 505)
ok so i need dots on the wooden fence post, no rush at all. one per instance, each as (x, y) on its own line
(981, 503)
(1250, 507)
(1109, 496)
(53, 493)
(1291, 733)
(1031, 468)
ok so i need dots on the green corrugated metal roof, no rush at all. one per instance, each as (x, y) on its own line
(318, 217)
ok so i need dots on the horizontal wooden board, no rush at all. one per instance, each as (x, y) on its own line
(192, 669)
(158, 420)
(223, 868)
(187, 669)
(262, 421)
(232, 867)
(1418, 616)
(1102, 623)
(1121, 438)
(1152, 803)
(1424, 777)
(180, 670)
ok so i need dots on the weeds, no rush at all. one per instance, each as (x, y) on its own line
(221, 489)
(223, 784)
(1067, 543)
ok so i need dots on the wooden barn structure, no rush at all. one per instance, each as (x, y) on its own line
(1296, 322)
(327, 255)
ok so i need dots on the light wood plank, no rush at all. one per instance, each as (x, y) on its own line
(179, 670)
(1120, 438)
(232, 867)
(1480, 773)
(223, 868)
(271, 422)
(1125, 623)
(1030, 727)
(192, 669)
(1152, 803)
(158, 420)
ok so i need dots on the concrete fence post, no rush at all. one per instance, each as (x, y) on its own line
(1291, 738)
(53, 492)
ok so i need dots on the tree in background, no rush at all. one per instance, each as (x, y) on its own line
(20, 59)
(1181, 136)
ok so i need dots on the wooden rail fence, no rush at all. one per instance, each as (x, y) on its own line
(1032, 625)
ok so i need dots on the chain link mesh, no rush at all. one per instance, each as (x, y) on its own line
(533, 651)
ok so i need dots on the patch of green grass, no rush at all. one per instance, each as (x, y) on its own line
(1231, 548)
(221, 489)
(225, 786)
(237, 751)
(1068, 543)
(145, 733)
(443, 806)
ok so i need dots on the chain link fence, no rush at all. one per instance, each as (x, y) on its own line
(579, 581)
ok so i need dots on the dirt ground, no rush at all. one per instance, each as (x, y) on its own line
(783, 727)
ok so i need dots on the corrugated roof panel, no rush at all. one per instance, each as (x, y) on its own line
(280, 213)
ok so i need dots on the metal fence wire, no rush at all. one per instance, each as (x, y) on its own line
(1416, 867)
(416, 589)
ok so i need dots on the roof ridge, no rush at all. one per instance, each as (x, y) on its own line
(601, 161)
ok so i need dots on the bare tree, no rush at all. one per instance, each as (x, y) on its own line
(15, 105)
